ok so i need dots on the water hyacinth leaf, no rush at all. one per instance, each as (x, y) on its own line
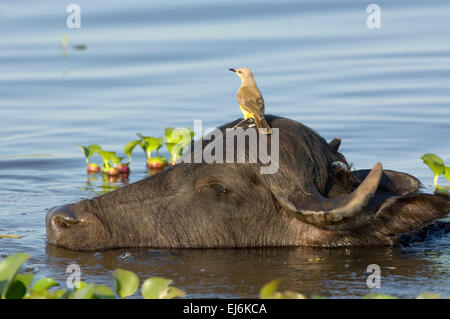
(161, 142)
(16, 290)
(174, 292)
(94, 148)
(45, 283)
(106, 156)
(289, 295)
(429, 295)
(269, 289)
(170, 146)
(179, 135)
(86, 292)
(151, 143)
(174, 149)
(168, 133)
(128, 149)
(126, 282)
(86, 151)
(143, 146)
(441, 190)
(8, 270)
(447, 173)
(59, 294)
(158, 288)
(376, 295)
(116, 160)
(81, 285)
(103, 292)
(26, 279)
(434, 162)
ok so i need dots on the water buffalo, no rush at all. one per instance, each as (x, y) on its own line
(313, 199)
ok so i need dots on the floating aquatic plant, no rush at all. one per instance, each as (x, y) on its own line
(177, 141)
(437, 166)
(152, 144)
(14, 285)
(88, 151)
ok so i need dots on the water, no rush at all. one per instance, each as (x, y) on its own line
(147, 66)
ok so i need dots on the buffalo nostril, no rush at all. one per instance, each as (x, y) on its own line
(64, 222)
(63, 217)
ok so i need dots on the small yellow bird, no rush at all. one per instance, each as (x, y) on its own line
(250, 100)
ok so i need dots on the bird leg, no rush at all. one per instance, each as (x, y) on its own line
(250, 122)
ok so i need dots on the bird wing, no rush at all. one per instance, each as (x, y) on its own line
(251, 101)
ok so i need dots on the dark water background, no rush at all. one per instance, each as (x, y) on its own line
(149, 65)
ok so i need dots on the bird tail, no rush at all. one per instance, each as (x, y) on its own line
(262, 123)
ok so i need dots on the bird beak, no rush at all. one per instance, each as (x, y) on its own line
(232, 70)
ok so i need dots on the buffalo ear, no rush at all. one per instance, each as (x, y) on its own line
(393, 182)
(335, 143)
(406, 213)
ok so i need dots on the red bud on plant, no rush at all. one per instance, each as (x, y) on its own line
(156, 162)
(123, 168)
(112, 171)
(93, 168)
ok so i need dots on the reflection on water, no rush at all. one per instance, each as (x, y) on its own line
(242, 272)
(140, 67)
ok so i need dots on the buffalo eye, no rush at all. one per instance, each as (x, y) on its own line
(220, 189)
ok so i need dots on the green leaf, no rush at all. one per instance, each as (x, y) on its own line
(161, 143)
(289, 295)
(26, 279)
(94, 148)
(8, 270)
(45, 283)
(376, 295)
(143, 146)
(86, 292)
(87, 153)
(82, 285)
(116, 160)
(434, 162)
(179, 135)
(16, 290)
(269, 289)
(429, 295)
(168, 133)
(151, 143)
(174, 292)
(59, 294)
(106, 155)
(126, 282)
(158, 288)
(440, 190)
(447, 173)
(103, 292)
(128, 149)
